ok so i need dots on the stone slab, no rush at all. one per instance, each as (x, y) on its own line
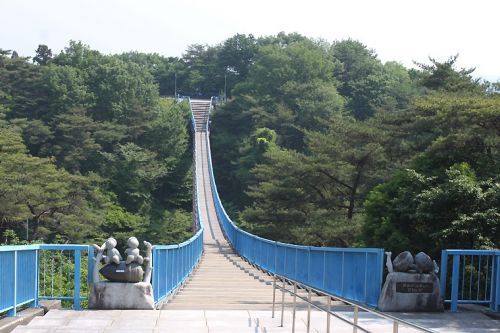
(409, 292)
(117, 295)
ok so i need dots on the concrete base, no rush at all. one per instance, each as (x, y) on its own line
(121, 296)
(407, 292)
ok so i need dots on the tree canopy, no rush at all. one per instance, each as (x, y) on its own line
(90, 148)
(318, 143)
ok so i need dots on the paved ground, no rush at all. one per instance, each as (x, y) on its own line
(237, 321)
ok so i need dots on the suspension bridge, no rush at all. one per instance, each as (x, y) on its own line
(224, 279)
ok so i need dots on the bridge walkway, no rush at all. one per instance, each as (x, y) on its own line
(223, 280)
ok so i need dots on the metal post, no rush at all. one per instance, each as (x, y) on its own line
(44, 285)
(225, 85)
(274, 294)
(175, 86)
(395, 327)
(454, 283)
(495, 305)
(443, 272)
(328, 309)
(76, 295)
(90, 265)
(13, 311)
(283, 303)
(37, 282)
(309, 310)
(356, 312)
(294, 304)
(52, 275)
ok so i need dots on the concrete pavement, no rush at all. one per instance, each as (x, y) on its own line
(236, 321)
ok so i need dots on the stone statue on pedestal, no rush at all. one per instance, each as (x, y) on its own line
(128, 285)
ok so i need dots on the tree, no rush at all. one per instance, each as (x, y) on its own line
(43, 55)
(203, 76)
(418, 213)
(366, 83)
(290, 203)
(442, 76)
(55, 201)
(237, 54)
(122, 224)
(350, 158)
(447, 130)
(134, 173)
(293, 89)
(168, 137)
(22, 88)
(73, 144)
(170, 227)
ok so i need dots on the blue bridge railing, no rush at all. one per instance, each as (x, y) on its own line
(352, 273)
(29, 273)
(474, 279)
(172, 264)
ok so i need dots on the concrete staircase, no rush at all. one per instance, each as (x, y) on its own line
(200, 108)
(223, 280)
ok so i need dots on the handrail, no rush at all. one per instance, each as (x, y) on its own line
(24, 278)
(479, 285)
(257, 250)
(357, 306)
(174, 263)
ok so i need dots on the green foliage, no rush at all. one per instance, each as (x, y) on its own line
(134, 172)
(89, 146)
(122, 224)
(43, 55)
(368, 84)
(33, 188)
(169, 227)
(237, 53)
(350, 159)
(347, 127)
(415, 212)
(319, 144)
(292, 204)
(442, 76)
(464, 129)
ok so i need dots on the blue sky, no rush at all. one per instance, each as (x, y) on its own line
(400, 30)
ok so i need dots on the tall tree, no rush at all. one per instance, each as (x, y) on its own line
(443, 76)
(366, 83)
(43, 55)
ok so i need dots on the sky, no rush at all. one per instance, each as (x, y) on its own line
(398, 30)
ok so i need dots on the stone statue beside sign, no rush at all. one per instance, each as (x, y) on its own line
(128, 285)
(412, 284)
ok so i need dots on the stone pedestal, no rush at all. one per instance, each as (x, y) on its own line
(121, 296)
(410, 292)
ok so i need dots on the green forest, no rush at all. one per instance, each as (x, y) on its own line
(318, 143)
